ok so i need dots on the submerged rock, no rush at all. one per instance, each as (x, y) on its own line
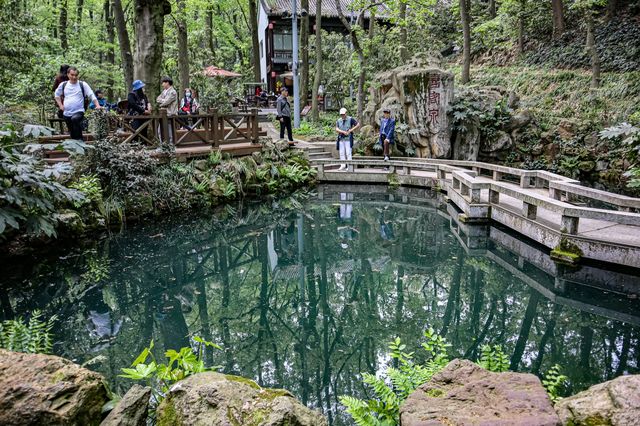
(216, 399)
(131, 410)
(616, 403)
(40, 389)
(466, 394)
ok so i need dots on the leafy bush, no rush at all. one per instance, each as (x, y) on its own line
(554, 382)
(29, 337)
(29, 192)
(630, 136)
(180, 364)
(493, 359)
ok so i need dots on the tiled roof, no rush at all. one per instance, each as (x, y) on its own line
(280, 7)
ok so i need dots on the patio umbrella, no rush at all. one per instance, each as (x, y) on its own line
(213, 71)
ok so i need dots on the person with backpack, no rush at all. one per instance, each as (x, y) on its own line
(188, 106)
(70, 97)
(61, 77)
(345, 126)
(137, 103)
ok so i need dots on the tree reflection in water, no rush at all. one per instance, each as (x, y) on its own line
(307, 297)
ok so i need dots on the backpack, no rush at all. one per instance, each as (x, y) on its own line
(86, 101)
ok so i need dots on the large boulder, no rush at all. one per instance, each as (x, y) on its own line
(132, 409)
(215, 399)
(615, 403)
(48, 390)
(466, 394)
(417, 93)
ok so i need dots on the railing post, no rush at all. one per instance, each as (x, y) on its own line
(406, 170)
(456, 183)
(464, 189)
(214, 128)
(529, 211)
(555, 193)
(497, 176)
(350, 168)
(254, 124)
(475, 195)
(164, 125)
(524, 181)
(569, 224)
(321, 171)
(442, 174)
(494, 197)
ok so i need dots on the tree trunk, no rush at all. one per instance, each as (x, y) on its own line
(123, 41)
(492, 9)
(612, 9)
(255, 47)
(525, 328)
(404, 52)
(111, 36)
(304, 54)
(558, 18)
(593, 52)
(64, 42)
(147, 60)
(183, 47)
(466, 35)
(208, 29)
(318, 75)
(79, 10)
(359, 51)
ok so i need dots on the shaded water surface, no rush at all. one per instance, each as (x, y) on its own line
(306, 296)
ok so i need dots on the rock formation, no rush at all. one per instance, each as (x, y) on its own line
(48, 390)
(216, 399)
(466, 394)
(131, 410)
(417, 94)
(616, 403)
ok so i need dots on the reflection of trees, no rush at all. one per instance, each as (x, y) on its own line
(324, 311)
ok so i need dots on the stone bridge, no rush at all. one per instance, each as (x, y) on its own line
(572, 220)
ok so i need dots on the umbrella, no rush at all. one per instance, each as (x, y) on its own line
(213, 71)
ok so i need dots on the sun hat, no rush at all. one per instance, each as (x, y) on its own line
(343, 111)
(138, 84)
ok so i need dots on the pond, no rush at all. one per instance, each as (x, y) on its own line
(306, 294)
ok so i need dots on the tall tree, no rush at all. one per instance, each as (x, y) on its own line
(255, 47)
(593, 51)
(111, 36)
(208, 30)
(492, 8)
(466, 45)
(183, 47)
(404, 52)
(315, 114)
(62, 25)
(149, 26)
(79, 13)
(123, 41)
(612, 9)
(558, 17)
(304, 53)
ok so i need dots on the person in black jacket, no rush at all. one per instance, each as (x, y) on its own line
(138, 104)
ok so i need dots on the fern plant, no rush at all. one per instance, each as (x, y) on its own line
(396, 384)
(494, 359)
(32, 337)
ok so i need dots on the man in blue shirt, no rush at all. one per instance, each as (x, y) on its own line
(70, 96)
(387, 129)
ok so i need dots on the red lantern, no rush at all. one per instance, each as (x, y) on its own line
(270, 25)
(273, 74)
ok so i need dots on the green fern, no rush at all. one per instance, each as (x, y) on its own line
(554, 382)
(28, 337)
(493, 359)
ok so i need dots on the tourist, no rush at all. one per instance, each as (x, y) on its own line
(168, 98)
(101, 100)
(70, 96)
(345, 126)
(387, 128)
(138, 104)
(283, 112)
(188, 105)
(57, 81)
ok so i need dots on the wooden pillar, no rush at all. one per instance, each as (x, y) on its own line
(569, 224)
(254, 125)
(494, 197)
(214, 128)
(530, 211)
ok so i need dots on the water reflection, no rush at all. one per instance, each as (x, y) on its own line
(306, 297)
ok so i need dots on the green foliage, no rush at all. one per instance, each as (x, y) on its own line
(29, 337)
(397, 383)
(554, 382)
(630, 136)
(180, 364)
(29, 192)
(494, 359)
(89, 186)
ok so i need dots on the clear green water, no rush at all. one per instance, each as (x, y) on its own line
(307, 296)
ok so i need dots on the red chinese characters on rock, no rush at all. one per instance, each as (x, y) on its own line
(433, 100)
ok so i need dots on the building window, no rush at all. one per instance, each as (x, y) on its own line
(261, 49)
(282, 41)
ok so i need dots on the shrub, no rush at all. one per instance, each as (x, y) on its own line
(29, 337)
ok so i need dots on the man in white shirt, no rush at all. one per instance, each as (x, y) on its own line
(70, 96)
